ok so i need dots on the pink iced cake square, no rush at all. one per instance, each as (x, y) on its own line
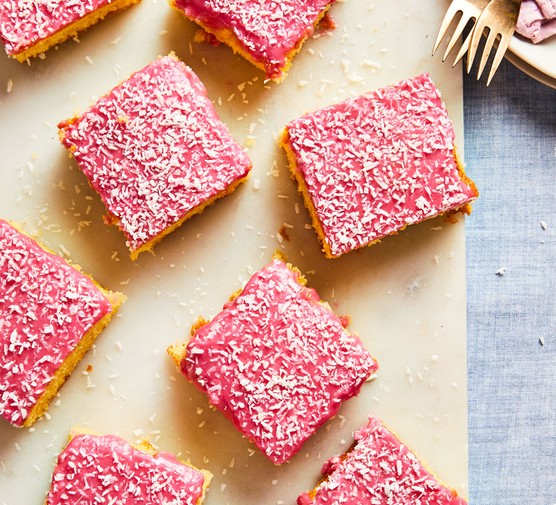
(50, 315)
(267, 33)
(276, 361)
(371, 165)
(30, 27)
(378, 469)
(155, 151)
(95, 469)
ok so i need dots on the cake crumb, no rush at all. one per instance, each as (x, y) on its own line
(9, 86)
(283, 233)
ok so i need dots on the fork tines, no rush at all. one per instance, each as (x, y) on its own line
(470, 11)
(499, 19)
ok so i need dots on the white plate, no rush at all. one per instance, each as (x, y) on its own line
(406, 296)
(537, 60)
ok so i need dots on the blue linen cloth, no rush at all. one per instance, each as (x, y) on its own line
(510, 152)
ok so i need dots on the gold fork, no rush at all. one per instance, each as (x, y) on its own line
(499, 18)
(470, 11)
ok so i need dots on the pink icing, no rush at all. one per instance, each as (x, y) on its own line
(277, 361)
(379, 470)
(269, 31)
(25, 23)
(376, 163)
(154, 149)
(537, 20)
(548, 8)
(46, 306)
(106, 469)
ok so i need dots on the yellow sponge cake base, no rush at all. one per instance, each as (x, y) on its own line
(72, 30)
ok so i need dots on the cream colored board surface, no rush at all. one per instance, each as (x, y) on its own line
(406, 296)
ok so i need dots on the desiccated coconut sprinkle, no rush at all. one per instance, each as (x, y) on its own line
(277, 361)
(24, 23)
(107, 470)
(155, 150)
(376, 163)
(378, 470)
(270, 31)
(46, 307)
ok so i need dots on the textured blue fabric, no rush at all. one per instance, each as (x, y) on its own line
(510, 152)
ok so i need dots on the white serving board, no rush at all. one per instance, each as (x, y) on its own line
(406, 296)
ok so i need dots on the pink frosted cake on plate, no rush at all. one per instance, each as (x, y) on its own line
(155, 151)
(378, 469)
(106, 469)
(268, 34)
(369, 166)
(50, 315)
(30, 27)
(276, 360)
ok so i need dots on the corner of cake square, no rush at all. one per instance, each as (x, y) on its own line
(276, 360)
(371, 165)
(107, 469)
(50, 315)
(379, 468)
(30, 27)
(268, 34)
(155, 151)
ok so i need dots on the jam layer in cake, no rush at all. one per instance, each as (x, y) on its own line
(106, 469)
(371, 165)
(379, 469)
(50, 315)
(155, 151)
(276, 360)
(267, 33)
(30, 27)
